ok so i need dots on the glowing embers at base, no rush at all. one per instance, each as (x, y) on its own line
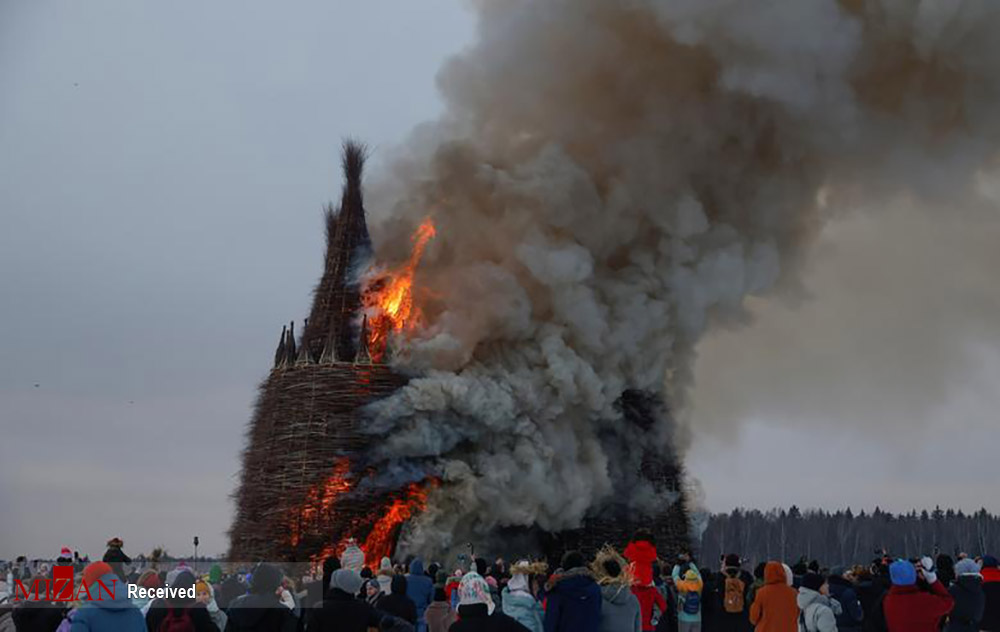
(388, 299)
(321, 499)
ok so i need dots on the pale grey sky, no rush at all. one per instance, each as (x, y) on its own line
(162, 171)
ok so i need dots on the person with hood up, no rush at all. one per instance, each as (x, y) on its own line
(341, 610)
(371, 591)
(817, 612)
(261, 609)
(180, 613)
(620, 610)
(476, 610)
(439, 615)
(104, 612)
(573, 599)
(842, 590)
(353, 557)
(909, 608)
(116, 558)
(991, 591)
(775, 608)
(518, 602)
(205, 595)
(970, 602)
(396, 603)
(420, 590)
(689, 587)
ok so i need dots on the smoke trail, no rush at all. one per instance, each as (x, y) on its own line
(612, 177)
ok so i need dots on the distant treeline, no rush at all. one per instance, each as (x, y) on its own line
(845, 537)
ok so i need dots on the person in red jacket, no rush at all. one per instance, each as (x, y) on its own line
(910, 608)
(641, 553)
(991, 590)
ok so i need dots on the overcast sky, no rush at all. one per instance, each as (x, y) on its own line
(162, 171)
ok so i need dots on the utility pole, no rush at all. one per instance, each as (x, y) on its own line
(196, 554)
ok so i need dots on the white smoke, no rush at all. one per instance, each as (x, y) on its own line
(610, 179)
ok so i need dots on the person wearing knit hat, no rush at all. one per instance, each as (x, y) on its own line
(384, 575)
(991, 592)
(65, 557)
(970, 601)
(108, 608)
(205, 595)
(818, 611)
(353, 557)
(732, 586)
(179, 609)
(910, 608)
(341, 609)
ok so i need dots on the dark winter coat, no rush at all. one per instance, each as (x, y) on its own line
(970, 602)
(419, 588)
(341, 612)
(991, 591)
(620, 609)
(200, 617)
(852, 615)
(573, 602)
(112, 613)
(260, 613)
(230, 589)
(476, 618)
(117, 559)
(912, 609)
(714, 607)
(398, 604)
(37, 616)
(870, 594)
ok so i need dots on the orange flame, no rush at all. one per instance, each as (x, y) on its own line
(390, 298)
(382, 539)
(321, 497)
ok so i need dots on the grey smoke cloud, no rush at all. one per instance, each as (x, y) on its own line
(612, 180)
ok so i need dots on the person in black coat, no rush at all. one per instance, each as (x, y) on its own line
(184, 607)
(474, 609)
(342, 611)
(715, 590)
(871, 587)
(970, 601)
(852, 614)
(261, 610)
(116, 558)
(397, 603)
(37, 616)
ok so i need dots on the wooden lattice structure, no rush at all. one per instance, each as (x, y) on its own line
(298, 494)
(304, 485)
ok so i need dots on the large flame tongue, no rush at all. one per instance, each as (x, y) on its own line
(389, 299)
(382, 539)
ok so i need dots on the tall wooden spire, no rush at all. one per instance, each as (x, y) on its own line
(336, 305)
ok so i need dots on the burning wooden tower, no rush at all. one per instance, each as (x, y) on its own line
(298, 496)
(305, 486)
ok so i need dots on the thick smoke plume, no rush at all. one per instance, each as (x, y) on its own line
(610, 179)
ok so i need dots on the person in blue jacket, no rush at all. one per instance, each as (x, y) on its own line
(573, 598)
(420, 589)
(104, 612)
